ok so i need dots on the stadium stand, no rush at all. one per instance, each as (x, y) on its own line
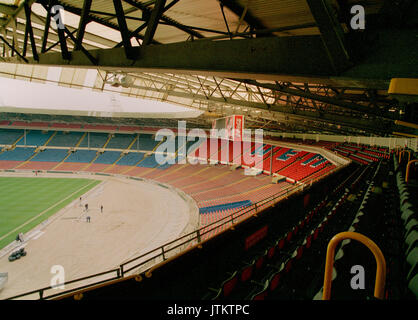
(83, 156)
(147, 142)
(65, 139)
(17, 154)
(94, 140)
(280, 264)
(35, 138)
(131, 159)
(108, 157)
(120, 141)
(50, 155)
(10, 137)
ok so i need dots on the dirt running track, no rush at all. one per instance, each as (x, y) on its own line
(137, 217)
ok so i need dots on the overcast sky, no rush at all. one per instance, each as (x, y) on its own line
(25, 94)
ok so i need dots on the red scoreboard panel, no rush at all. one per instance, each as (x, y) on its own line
(230, 128)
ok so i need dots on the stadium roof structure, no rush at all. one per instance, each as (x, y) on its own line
(292, 66)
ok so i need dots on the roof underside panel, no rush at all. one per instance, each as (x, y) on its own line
(280, 14)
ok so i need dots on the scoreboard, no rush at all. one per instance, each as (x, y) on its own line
(230, 128)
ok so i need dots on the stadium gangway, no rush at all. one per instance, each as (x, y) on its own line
(379, 288)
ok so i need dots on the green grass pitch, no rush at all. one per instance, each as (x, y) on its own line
(26, 202)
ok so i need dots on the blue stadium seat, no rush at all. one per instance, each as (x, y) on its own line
(35, 138)
(108, 157)
(9, 136)
(96, 140)
(18, 154)
(120, 141)
(149, 162)
(131, 159)
(51, 155)
(63, 139)
(225, 206)
(147, 142)
(83, 156)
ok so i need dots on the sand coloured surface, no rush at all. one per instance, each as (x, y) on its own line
(137, 217)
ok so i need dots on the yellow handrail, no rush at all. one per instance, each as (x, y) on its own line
(407, 169)
(378, 255)
(402, 152)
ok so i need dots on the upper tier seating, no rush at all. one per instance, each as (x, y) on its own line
(9, 136)
(35, 138)
(120, 141)
(65, 139)
(147, 142)
(94, 140)
(100, 127)
(66, 125)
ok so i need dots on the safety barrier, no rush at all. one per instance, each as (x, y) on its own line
(379, 289)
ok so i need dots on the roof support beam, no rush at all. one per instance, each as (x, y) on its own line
(7, 9)
(46, 28)
(93, 37)
(84, 19)
(66, 55)
(30, 31)
(12, 48)
(164, 18)
(289, 55)
(86, 52)
(123, 29)
(288, 59)
(136, 32)
(243, 13)
(316, 97)
(362, 124)
(331, 33)
(156, 14)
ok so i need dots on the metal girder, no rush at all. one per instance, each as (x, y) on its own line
(325, 99)
(331, 33)
(78, 11)
(29, 31)
(288, 55)
(254, 92)
(7, 9)
(51, 38)
(169, 21)
(12, 48)
(239, 11)
(84, 19)
(46, 29)
(123, 29)
(144, 25)
(153, 21)
(293, 59)
(363, 124)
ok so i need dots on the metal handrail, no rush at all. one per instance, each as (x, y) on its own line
(42, 290)
(408, 167)
(378, 255)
